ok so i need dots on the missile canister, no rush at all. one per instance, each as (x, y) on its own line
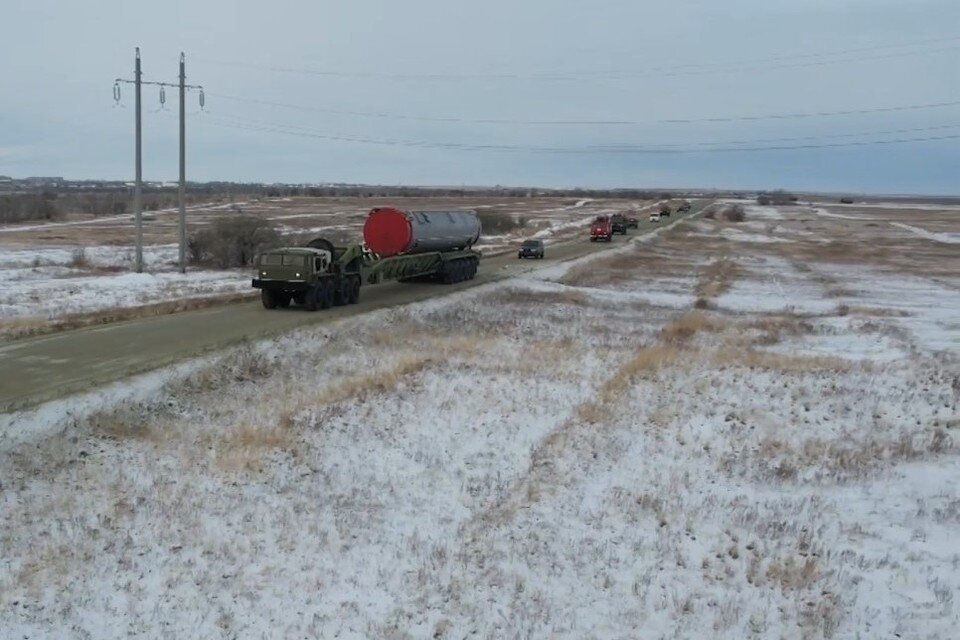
(389, 231)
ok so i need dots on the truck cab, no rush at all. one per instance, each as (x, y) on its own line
(294, 264)
(601, 229)
(306, 276)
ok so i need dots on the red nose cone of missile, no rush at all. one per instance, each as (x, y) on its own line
(387, 231)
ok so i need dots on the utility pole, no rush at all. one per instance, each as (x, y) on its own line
(138, 185)
(182, 227)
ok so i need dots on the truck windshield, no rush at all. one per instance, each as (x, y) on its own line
(532, 244)
(271, 259)
(294, 261)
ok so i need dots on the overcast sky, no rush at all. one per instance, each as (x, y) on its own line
(427, 71)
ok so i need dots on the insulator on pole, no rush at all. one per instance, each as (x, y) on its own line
(202, 98)
(163, 96)
(116, 92)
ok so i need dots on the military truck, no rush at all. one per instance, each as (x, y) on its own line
(601, 229)
(665, 210)
(618, 222)
(410, 246)
(684, 206)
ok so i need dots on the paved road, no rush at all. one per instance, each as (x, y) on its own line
(38, 369)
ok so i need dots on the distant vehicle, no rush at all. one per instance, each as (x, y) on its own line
(654, 217)
(846, 200)
(618, 222)
(665, 210)
(684, 207)
(633, 223)
(601, 229)
(531, 249)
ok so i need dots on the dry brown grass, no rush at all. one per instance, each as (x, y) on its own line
(717, 278)
(840, 459)
(28, 327)
(379, 381)
(738, 356)
(646, 360)
(774, 328)
(638, 261)
(246, 447)
(543, 356)
(680, 330)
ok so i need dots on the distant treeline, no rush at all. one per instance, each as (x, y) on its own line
(50, 204)
(367, 191)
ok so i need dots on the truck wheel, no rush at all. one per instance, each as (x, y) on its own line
(354, 290)
(346, 290)
(300, 298)
(283, 300)
(340, 295)
(325, 295)
(268, 298)
(312, 298)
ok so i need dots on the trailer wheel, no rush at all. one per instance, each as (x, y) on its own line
(268, 298)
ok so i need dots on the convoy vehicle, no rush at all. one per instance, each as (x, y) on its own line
(601, 229)
(618, 222)
(655, 217)
(665, 210)
(531, 249)
(633, 223)
(684, 206)
(398, 245)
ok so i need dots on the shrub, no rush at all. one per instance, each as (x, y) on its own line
(232, 241)
(734, 213)
(496, 224)
(29, 206)
(78, 259)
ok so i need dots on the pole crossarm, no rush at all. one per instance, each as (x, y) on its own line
(160, 84)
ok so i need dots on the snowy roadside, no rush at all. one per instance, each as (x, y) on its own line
(576, 453)
(43, 284)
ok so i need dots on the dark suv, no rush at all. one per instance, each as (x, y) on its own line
(531, 249)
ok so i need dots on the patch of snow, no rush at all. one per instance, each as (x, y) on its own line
(823, 213)
(946, 238)
(731, 233)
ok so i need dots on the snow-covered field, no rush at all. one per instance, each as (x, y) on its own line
(43, 278)
(48, 283)
(704, 434)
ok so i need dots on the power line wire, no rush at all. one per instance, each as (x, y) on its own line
(690, 69)
(514, 121)
(638, 149)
